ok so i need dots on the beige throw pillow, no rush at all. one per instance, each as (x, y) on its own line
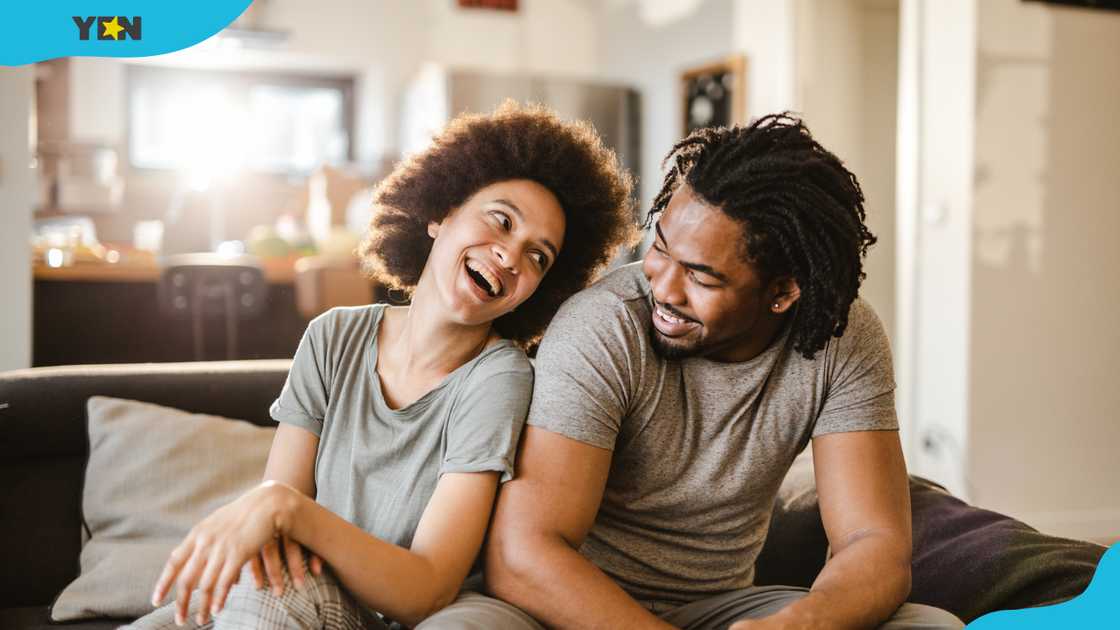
(153, 473)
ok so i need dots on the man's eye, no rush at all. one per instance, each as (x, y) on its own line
(696, 280)
(541, 259)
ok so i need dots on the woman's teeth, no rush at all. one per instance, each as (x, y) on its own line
(495, 286)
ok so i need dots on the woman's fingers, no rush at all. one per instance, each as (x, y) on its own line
(171, 569)
(316, 564)
(226, 580)
(206, 585)
(258, 571)
(273, 567)
(188, 577)
(293, 553)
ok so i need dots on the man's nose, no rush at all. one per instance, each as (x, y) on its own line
(667, 285)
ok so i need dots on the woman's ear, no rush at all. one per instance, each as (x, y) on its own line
(433, 229)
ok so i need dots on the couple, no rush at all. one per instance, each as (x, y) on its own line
(668, 402)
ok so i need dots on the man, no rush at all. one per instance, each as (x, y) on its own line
(672, 397)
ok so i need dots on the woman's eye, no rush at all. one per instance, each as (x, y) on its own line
(541, 259)
(503, 220)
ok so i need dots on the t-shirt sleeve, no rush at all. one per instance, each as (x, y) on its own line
(486, 421)
(303, 400)
(859, 378)
(585, 370)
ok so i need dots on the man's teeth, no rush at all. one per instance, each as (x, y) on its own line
(669, 318)
(495, 285)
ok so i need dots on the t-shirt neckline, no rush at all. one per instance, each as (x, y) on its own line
(423, 401)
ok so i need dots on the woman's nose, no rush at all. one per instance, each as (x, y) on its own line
(505, 258)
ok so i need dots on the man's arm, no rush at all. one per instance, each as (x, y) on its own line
(542, 517)
(865, 506)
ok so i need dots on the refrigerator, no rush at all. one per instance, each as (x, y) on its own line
(438, 93)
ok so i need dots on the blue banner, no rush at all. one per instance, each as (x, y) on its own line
(37, 30)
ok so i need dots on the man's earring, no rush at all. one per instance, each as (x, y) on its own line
(777, 306)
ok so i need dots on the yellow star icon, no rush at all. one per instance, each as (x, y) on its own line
(112, 28)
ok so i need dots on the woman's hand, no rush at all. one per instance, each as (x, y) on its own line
(268, 563)
(210, 558)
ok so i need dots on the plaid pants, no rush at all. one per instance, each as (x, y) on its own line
(322, 604)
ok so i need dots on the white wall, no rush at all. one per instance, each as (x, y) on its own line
(16, 195)
(549, 37)
(765, 30)
(846, 85)
(1009, 215)
(648, 43)
(1045, 408)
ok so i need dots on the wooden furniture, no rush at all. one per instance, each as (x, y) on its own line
(102, 313)
(323, 283)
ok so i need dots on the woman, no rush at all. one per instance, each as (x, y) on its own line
(398, 423)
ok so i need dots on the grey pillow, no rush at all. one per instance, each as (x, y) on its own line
(153, 473)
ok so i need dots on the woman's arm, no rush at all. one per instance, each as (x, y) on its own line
(406, 585)
(291, 461)
(292, 458)
(290, 471)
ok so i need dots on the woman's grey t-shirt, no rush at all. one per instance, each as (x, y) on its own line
(377, 467)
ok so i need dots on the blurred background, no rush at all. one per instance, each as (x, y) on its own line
(204, 204)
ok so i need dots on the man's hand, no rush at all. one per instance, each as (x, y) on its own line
(210, 558)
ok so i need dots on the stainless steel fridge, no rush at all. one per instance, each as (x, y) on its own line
(438, 93)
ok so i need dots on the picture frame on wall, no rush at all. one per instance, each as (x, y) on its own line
(714, 94)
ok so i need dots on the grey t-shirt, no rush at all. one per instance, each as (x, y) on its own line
(377, 467)
(699, 447)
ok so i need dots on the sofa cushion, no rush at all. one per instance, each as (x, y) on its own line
(972, 561)
(153, 473)
(45, 446)
(966, 560)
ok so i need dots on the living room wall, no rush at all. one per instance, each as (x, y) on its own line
(16, 194)
(1045, 284)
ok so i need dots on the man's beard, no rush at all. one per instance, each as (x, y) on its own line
(666, 349)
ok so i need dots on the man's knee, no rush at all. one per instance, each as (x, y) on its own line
(921, 617)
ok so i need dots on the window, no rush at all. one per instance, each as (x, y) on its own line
(204, 122)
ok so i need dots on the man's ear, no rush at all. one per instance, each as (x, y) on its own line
(784, 293)
(433, 229)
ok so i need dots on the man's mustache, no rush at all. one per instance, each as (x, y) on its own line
(672, 311)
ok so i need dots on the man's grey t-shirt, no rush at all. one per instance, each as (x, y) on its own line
(377, 467)
(700, 448)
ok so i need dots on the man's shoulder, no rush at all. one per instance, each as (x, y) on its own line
(622, 290)
(611, 312)
(864, 326)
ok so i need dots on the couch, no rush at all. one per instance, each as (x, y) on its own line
(967, 560)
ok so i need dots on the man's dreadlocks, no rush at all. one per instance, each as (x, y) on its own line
(801, 210)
